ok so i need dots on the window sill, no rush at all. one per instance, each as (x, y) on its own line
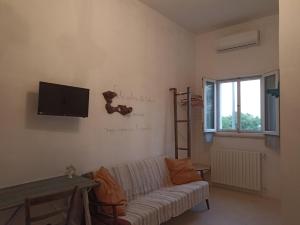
(240, 135)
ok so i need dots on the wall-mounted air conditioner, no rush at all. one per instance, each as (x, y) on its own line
(239, 40)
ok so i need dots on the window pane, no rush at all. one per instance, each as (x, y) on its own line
(210, 105)
(270, 104)
(250, 105)
(228, 106)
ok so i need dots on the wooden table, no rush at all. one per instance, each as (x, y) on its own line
(201, 168)
(14, 197)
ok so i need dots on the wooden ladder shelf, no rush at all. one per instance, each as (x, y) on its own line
(188, 105)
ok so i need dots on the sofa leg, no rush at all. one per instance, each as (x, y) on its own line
(207, 204)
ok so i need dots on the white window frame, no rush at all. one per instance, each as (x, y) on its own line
(262, 114)
(238, 122)
(262, 94)
(204, 81)
(218, 106)
(277, 130)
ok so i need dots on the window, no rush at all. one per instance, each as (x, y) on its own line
(250, 106)
(271, 102)
(242, 105)
(227, 101)
(210, 105)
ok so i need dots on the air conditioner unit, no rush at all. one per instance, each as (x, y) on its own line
(239, 40)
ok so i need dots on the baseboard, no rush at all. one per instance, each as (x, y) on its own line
(232, 188)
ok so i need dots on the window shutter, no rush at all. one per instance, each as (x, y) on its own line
(209, 112)
(271, 95)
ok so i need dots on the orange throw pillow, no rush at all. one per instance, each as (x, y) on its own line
(110, 192)
(182, 171)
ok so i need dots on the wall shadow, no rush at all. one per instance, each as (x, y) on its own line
(33, 121)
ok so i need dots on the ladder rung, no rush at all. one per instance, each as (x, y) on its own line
(182, 121)
(183, 149)
(182, 93)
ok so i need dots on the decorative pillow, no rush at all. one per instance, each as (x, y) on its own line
(182, 171)
(110, 192)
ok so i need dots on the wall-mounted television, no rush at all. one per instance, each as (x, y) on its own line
(62, 100)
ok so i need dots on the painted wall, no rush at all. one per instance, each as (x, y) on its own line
(290, 109)
(254, 60)
(119, 45)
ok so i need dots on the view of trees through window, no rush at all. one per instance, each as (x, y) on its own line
(248, 122)
(249, 112)
(244, 104)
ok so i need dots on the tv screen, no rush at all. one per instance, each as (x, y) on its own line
(62, 100)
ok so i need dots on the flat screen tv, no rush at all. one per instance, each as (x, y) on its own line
(62, 100)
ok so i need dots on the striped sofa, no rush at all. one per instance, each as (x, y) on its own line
(152, 198)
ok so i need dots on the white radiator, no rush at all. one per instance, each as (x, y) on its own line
(240, 169)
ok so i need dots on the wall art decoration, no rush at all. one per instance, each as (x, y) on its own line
(122, 109)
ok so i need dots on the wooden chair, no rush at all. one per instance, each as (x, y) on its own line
(36, 201)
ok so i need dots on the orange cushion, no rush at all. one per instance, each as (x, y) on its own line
(182, 171)
(110, 192)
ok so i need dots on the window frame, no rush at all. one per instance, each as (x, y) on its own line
(276, 132)
(263, 106)
(218, 82)
(208, 130)
(238, 122)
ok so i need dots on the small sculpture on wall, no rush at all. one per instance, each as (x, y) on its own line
(122, 109)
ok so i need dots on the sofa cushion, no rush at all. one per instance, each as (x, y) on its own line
(109, 191)
(142, 177)
(182, 171)
(193, 193)
(161, 205)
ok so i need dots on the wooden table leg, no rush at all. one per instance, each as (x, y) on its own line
(86, 207)
(13, 215)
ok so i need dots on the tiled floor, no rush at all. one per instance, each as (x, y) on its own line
(232, 208)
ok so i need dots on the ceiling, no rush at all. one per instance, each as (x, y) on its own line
(203, 15)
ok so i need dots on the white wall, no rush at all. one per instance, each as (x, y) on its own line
(290, 109)
(119, 45)
(254, 60)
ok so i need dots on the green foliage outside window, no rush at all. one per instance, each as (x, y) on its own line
(248, 122)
